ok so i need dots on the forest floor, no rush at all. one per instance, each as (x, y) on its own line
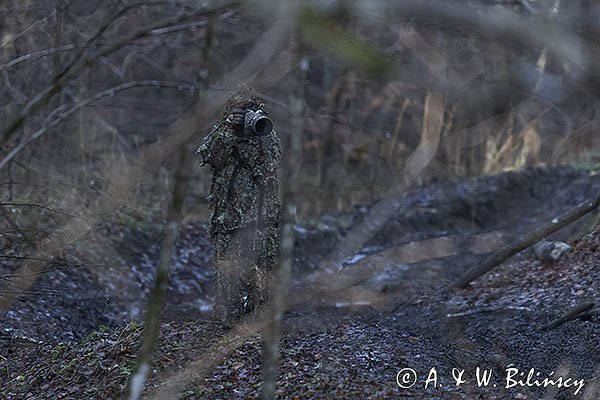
(75, 336)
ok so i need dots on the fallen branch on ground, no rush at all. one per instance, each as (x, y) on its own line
(571, 314)
(532, 238)
(467, 313)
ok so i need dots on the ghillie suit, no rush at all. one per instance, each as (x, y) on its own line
(244, 198)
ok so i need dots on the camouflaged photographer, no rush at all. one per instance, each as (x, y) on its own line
(243, 152)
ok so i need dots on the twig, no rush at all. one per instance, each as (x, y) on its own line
(590, 313)
(62, 115)
(15, 93)
(532, 238)
(485, 310)
(72, 46)
(42, 207)
(392, 203)
(272, 42)
(20, 338)
(403, 304)
(24, 31)
(181, 27)
(114, 69)
(159, 291)
(85, 60)
(180, 131)
(35, 185)
(570, 315)
(293, 146)
(158, 294)
(49, 261)
(400, 306)
(494, 22)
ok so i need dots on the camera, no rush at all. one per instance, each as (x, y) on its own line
(257, 123)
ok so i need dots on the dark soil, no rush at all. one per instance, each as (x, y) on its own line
(76, 335)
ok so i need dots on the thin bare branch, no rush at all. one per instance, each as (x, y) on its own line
(62, 114)
(292, 159)
(40, 206)
(122, 176)
(90, 56)
(15, 93)
(495, 22)
(37, 54)
(158, 294)
(11, 39)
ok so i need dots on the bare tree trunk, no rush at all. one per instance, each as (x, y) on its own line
(433, 121)
(292, 149)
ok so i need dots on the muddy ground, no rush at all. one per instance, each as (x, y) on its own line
(74, 336)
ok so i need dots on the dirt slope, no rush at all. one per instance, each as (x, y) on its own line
(333, 352)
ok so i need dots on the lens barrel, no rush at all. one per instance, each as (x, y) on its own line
(257, 123)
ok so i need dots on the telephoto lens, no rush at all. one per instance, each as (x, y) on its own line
(257, 123)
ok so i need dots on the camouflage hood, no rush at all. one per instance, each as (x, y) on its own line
(244, 98)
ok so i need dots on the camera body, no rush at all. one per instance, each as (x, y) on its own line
(256, 123)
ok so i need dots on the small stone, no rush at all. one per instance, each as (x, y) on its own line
(550, 250)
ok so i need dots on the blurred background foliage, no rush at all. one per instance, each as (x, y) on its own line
(516, 81)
